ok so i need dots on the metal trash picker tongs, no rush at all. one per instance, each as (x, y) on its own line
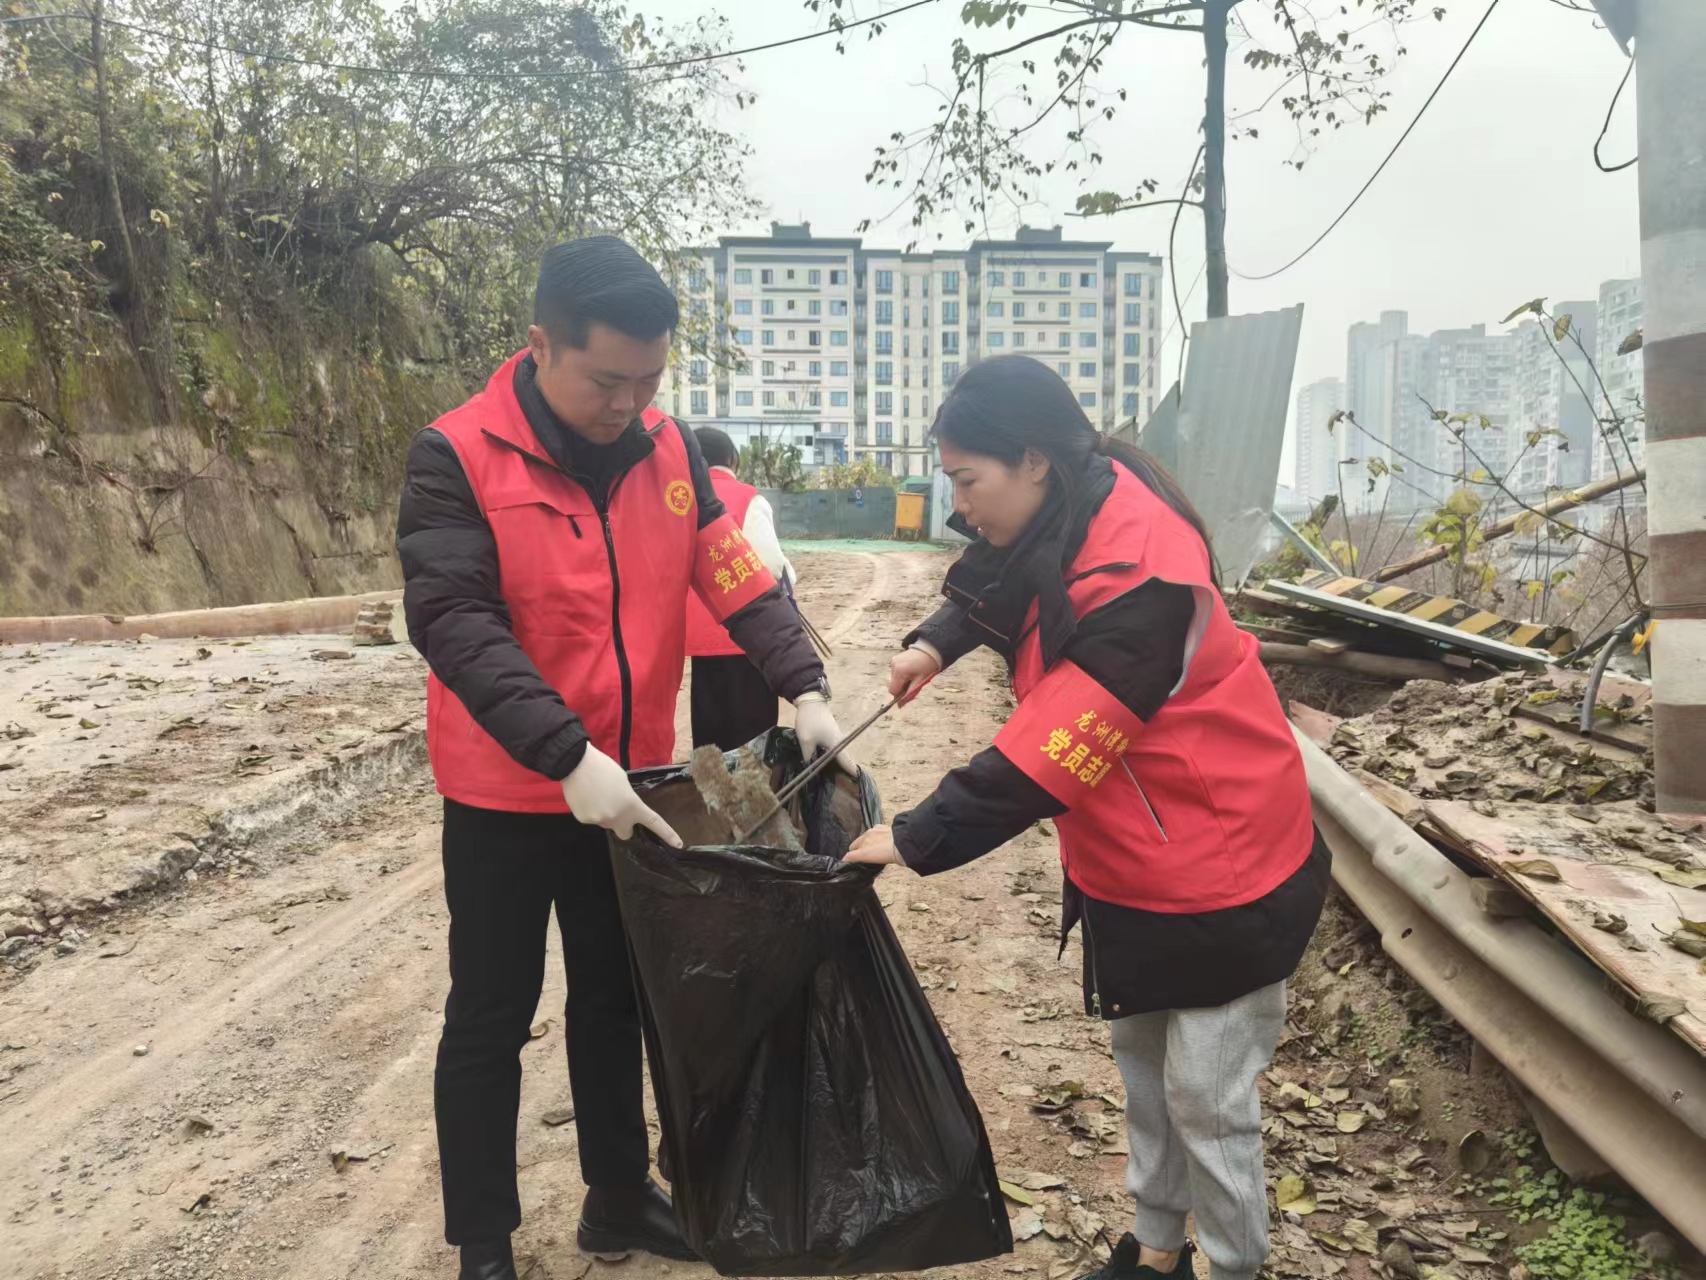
(817, 766)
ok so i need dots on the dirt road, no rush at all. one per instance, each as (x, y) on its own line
(181, 1080)
(232, 1076)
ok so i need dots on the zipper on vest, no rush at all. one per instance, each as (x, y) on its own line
(622, 669)
(575, 524)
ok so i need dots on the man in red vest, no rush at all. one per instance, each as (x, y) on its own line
(732, 703)
(550, 531)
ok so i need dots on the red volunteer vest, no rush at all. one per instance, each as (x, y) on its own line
(706, 637)
(599, 605)
(1204, 807)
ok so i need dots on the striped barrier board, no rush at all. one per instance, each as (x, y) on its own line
(1463, 624)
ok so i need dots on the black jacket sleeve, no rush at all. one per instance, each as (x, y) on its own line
(458, 620)
(950, 633)
(1134, 646)
(768, 630)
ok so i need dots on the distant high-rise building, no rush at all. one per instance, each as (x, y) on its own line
(850, 350)
(1552, 375)
(1317, 444)
(1383, 362)
(1533, 400)
(1469, 372)
(1619, 381)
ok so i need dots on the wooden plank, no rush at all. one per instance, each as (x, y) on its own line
(1567, 716)
(1394, 797)
(1499, 528)
(1276, 633)
(1439, 619)
(1499, 899)
(1629, 889)
(1317, 725)
(1378, 665)
(323, 615)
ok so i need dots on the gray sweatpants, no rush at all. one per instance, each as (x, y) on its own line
(1195, 1123)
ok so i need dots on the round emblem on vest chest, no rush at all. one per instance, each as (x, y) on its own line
(678, 497)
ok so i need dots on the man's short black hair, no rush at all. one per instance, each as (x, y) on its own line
(601, 280)
(718, 449)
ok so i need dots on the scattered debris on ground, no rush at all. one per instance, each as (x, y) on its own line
(232, 1073)
(1562, 821)
(127, 766)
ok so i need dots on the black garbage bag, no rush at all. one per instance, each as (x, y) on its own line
(814, 1117)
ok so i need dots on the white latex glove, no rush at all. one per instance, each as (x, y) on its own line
(600, 795)
(814, 725)
(912, 669)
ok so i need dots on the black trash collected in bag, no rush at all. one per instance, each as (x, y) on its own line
(815, 1119)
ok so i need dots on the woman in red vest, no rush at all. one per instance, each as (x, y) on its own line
(1147, 730)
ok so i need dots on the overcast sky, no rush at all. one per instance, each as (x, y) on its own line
(1493, 200)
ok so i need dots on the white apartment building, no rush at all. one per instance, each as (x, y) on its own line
(1551, 375)
(1316, 455)
(848, 351)
(1469, 371)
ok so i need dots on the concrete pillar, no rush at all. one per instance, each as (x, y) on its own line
(1670, 52)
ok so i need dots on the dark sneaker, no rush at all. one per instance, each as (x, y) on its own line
(617, 1221)
(1123, 1264)
(492, 1261)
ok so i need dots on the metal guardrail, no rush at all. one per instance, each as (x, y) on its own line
(1630, 1091)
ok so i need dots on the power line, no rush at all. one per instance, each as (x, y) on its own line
(428, 74)
(1603, 167)
(1269, 275)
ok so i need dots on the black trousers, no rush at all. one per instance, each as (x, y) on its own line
(731, 704)
(503, 872)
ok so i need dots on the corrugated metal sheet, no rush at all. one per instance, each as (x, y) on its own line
(1225, 439)
(1162, 424)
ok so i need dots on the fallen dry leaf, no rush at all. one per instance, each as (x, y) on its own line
(1361, 1236)
(1290, 1093)
(1350, 1121)
(1536, 869)
(1692, 944)
(1027, 1226)
(1087, 1226)
(1060, 1096)
(1032, 1181)
(1292, 1194)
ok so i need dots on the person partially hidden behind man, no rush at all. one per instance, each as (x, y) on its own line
(731, 701)
(550, 530)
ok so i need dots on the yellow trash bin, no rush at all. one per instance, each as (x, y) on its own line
(909, 515)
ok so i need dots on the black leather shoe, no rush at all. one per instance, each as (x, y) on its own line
(617, 1221)
(487, 1262)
